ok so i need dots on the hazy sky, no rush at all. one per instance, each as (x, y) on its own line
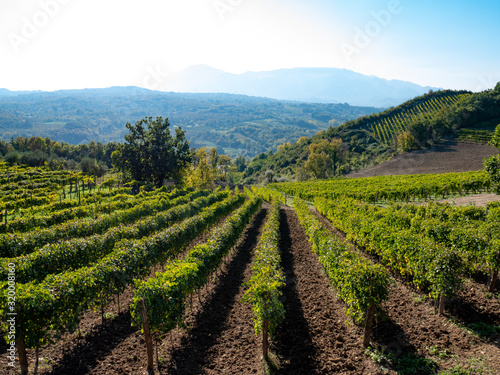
(62, 44)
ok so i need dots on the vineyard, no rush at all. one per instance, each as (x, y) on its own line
(390, 124)
(474, 135)
(346, 275)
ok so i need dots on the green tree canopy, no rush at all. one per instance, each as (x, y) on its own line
(150, 153)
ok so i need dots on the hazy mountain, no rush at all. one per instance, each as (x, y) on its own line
(317, 85)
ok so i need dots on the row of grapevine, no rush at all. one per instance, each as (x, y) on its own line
(85, 199)
(361, 284)
(424, 262)
(388, 188)
(17, 244)
(267, 280)
(56, 304)
(22, 186)
(473, 135)
(267, 194)
(80, 252)
(388, 127)
(159, 303)
(476, 241)
(447, 212)
(21, 174)
(97, 204)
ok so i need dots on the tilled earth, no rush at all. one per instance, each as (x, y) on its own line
(314, 338)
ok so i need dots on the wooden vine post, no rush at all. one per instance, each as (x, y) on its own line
(148, 339)
(370, 312)
(492, 281)
(265, 340)
(23, 357)
(440, 304)
(265, 331)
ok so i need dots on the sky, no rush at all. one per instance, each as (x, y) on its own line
(73, 44)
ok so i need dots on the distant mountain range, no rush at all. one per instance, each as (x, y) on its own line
(313, 85)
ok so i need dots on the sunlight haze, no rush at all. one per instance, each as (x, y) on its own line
(70, 44)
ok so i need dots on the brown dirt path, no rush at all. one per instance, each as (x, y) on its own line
(221, 338)
(314, 337)
(480, 200)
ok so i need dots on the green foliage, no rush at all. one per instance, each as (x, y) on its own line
(14, 244)
(426, 263)
(483, 330)
(165, 294)
(413, 364)
(76, 253)
(58, 302)
(388, 188)
(234, 124)
(268, 194)
(92, 167)
(474, 135)
(267, 280)
(387, 125)
(358, 282)
(202, 173)
(374, 138)
(473, 366)
(151, 153)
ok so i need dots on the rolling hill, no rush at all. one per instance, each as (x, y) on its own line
(431, 120)
(234, 124)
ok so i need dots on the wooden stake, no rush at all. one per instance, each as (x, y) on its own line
(147, 337)
(157, 360)
(265, 341)
(35, 371)
(442, 300)
(23, 358)
(492, 281)
(370, 312)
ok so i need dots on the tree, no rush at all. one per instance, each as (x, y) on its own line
(405, 141)
(224, 165)
(12, 157)
(92, 167)
(319, 165)
(214, 158)
(492, 164)
(269, 175)
(202, 174)
(151, 154)
(240, 163)
(324, 158)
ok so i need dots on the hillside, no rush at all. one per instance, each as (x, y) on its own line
(418, 124)
(234, 124)
(449, 156)
(389, 124)
(323, 85)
